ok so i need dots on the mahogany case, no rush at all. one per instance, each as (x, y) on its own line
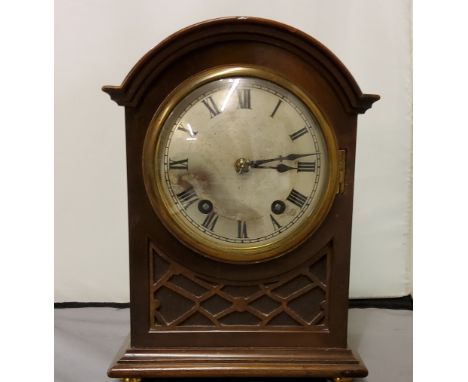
(194, 316)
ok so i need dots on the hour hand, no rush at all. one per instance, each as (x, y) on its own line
(257, 163)
(280, 167)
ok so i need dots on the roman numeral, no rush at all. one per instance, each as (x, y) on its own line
(210, 221)
(187, 197)
(297, 198)
(178, 164)
(244, 98)
(276, 225)
(298, 133)
(187, 130)
(276, 108)
(211, 106)
(306, 166)
(241, 230)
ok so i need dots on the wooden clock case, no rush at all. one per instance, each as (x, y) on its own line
(192, 316)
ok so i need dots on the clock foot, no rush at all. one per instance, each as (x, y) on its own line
(131, 380)
(342, 379)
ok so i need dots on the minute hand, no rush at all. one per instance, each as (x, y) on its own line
(256, 163)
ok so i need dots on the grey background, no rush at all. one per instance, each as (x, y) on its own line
(87, 339)
(98, 42)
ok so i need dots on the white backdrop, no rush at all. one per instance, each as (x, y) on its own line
(97, 43)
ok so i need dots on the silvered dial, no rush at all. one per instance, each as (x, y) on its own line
(242, 163)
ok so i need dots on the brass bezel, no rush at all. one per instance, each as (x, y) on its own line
(182, 231)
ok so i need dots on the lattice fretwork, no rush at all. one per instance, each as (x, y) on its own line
(182, 298)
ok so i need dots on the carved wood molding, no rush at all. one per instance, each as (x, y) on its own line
(220, 31)
(237, 362)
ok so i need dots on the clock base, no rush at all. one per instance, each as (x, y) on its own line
(339, 364)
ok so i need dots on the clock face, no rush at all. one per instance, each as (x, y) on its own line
(243, 167)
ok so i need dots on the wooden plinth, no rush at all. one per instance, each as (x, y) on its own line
(236, 362)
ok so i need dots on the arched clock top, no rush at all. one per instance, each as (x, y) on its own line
(240, 29)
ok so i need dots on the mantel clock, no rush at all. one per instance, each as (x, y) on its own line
(241, 137)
